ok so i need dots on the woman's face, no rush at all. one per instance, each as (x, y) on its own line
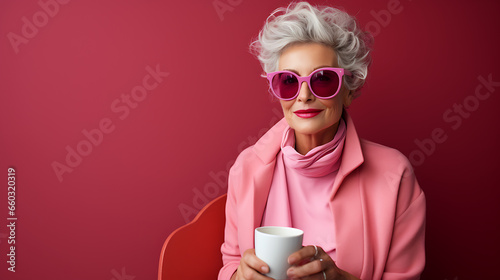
(302, 59)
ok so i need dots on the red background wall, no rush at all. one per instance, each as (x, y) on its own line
(161, 156)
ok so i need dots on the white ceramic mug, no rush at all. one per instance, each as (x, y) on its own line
(274, 245)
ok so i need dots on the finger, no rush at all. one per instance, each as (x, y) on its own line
(309, 269)
(251, 261)
(305, 253)
(247, 273)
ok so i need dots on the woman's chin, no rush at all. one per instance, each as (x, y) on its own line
(308, 129)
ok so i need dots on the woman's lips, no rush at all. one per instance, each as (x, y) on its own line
(309, 113)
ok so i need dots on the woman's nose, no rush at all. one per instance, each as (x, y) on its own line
(305, 93)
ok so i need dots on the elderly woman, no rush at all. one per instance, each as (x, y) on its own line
(358, 203)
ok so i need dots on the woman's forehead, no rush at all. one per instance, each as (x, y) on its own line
(307, 57)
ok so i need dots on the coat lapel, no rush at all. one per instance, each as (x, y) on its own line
(346, 205)
(259, 183)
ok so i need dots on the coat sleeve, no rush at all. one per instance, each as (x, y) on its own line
(406, 257)
(230, 249)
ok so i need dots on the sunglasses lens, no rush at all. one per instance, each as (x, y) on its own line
(325, 83)
(285, 85)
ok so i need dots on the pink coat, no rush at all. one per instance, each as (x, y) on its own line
(378, 207)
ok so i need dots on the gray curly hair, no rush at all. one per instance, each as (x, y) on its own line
(302, 23)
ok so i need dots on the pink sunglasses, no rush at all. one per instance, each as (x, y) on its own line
(324, 83)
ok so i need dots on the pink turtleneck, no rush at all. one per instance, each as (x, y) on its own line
(301, 189)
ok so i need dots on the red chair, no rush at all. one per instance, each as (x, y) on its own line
(193, 250)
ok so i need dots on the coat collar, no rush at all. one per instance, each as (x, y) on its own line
(352, 155)
(268, 146)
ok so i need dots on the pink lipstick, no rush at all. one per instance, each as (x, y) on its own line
(309, 113)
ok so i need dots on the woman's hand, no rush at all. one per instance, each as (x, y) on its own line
(313, 262)
(251, 267)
